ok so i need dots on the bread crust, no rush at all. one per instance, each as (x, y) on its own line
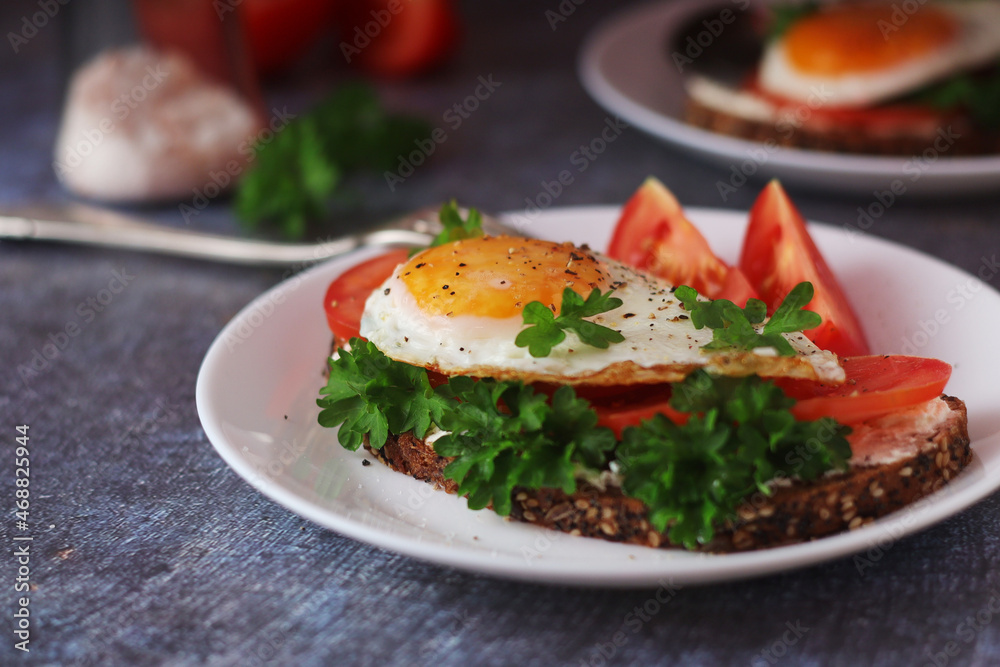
(797, 511)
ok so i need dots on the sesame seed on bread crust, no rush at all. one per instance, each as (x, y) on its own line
(797, 511)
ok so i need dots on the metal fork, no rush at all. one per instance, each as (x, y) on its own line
(90, 225)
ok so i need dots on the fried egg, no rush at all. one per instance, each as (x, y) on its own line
(860, 54)
(457, 309)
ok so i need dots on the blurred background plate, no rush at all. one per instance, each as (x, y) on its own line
(625, 66)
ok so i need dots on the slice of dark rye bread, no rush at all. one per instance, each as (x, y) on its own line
(797, 511)
(956, 136)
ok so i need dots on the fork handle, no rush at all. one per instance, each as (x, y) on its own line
(132, 235)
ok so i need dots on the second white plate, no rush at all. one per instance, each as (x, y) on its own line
(625, 66)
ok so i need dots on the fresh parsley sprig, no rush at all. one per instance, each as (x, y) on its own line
(501, 434)
(506, 435)
(784, 17)
(739, 437)
(297, 172)
(369, 395)
(979, 93)
(455, 228)
(734, 327)
(546, 330)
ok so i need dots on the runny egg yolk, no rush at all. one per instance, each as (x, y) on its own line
(850, 38)
(497, 276)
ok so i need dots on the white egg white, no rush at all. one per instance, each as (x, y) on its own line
(977, 43)
(661, 344)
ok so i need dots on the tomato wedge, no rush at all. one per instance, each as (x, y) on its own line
(654, 235)
(345, 298)
(778, 254)
(876, 385)
(736, 287)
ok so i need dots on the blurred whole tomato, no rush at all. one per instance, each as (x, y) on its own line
(279, 32)
(398, 38)
(388, 38)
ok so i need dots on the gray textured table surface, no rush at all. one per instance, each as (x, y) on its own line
(148, 549)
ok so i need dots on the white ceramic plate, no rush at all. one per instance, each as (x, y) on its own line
(625, 66)
(259, 381)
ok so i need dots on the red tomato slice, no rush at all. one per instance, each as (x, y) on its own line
(778, 254)
(876, 385)
(654, 235)
(621, 406)
(401, 38)
(873, 118)
(617, 418)
(345, 298)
